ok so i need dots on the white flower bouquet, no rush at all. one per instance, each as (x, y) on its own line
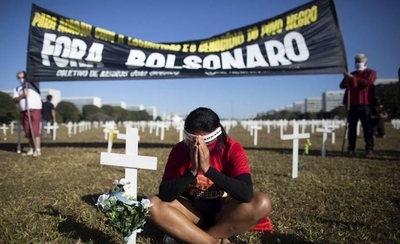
(123, 211)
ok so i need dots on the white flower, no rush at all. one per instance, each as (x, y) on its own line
(122, 209)
(146, 203)
(127, 187)
(101, 200)
(116, 182)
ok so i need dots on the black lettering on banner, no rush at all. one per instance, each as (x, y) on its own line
(304, 40)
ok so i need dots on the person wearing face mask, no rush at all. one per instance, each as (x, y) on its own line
(206, 193)
(27, 95)
(359, 97)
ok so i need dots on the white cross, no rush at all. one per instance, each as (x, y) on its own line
(325, 132)
(255, 128)
(53, 128)
(295, 137)
(132, 162)
(161, 126)
(4, 128)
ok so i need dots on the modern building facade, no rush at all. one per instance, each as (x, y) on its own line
(152, 111)
(331, 100)
(288, 107)
(43, 93)
(139, 107)
(299, 107)
(116, 104)
(55, 93)
(313, 104)
(82, 101)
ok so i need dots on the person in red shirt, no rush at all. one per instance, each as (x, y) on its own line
(359, 95)
(206, 193)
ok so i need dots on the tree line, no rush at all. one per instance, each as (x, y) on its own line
(67, 111)
(388, 94)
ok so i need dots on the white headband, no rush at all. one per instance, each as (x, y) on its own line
(207, 138)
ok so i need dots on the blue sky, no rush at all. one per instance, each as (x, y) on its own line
(368, 26)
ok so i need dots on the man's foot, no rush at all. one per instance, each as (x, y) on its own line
(28, 153)
(36, 154)
(369, 153)
(351, 153)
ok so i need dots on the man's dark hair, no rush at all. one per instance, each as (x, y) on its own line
(22, 72)
(204, 119)
(49, 97)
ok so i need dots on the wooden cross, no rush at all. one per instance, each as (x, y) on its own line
(51, 130)
(4, 128)
(324, 132)
(295, 137)
(132, 162)
(255, 128)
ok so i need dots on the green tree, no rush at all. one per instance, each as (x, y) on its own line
(94, 113)
(389, 97)
(67, 111)
(8, 109)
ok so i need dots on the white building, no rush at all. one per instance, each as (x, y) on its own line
(139, 107)
(43, 93)
(332, 99)
(299, 107)
(288, 107)
(55, 93)
(313, 104)
(152, 111)
(82, 101)
(116, 104)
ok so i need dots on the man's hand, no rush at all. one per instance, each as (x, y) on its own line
(26, 92)
(348, 75)
(194, 152)
(204, 154)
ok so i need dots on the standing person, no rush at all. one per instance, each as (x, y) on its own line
(48, 111)
(359, 86)
(206, 193)
(378, 118)
(27, 95)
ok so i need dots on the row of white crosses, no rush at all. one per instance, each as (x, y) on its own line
(131, 162)
(74, 127)
(4, 128)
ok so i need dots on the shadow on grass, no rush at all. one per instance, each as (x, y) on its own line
(78, 231)
(12, 147)
(269, 238)
(150, 231)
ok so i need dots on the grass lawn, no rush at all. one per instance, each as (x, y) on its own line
(335, 199)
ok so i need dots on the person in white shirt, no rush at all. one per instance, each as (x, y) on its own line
(27, 95)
